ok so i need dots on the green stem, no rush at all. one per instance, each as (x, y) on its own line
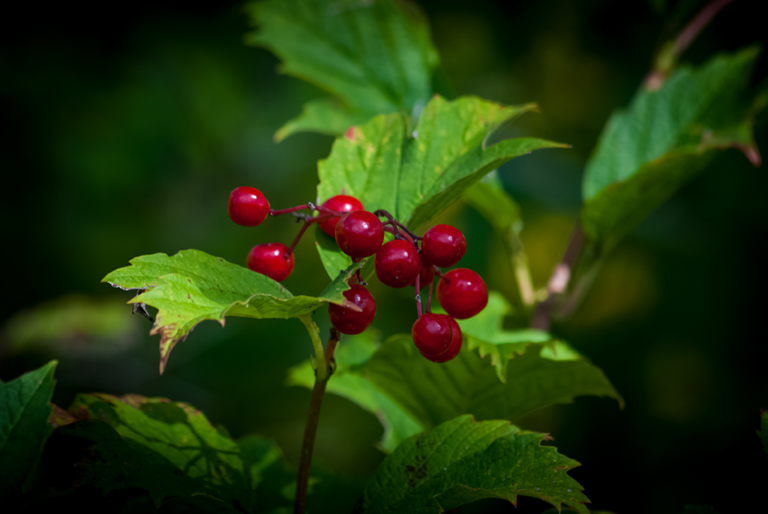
(324, 368)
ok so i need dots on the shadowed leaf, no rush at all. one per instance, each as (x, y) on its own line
(461, 461)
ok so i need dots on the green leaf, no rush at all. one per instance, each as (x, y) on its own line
(416, 174)
(193, 286)
(24, 411)
(324, 115)
(486, 333)
(665, 138)
(763, 432)
(349, 381)
(374, 57)
(461, 461)
(700, 509)
(432, 393)
(176, 431)
(502, 212)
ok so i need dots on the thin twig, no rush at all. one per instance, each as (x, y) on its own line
(558, 281)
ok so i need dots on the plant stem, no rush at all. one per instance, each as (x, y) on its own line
(273, 212)
(558, 281)
(325, 366)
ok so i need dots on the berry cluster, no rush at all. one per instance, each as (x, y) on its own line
(407, 260)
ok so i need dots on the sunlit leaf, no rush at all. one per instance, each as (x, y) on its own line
(415, 174)
(193, 286)
(24, 411)
(461, 461)
(663, 139)
(432, 393)
(376, 57)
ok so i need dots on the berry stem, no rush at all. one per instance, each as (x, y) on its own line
(325, 365)
(392, 221)
(429, 298)
(273, 212)
(418, 293)
(307, 223)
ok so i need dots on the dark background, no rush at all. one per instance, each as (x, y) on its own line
(124, 127)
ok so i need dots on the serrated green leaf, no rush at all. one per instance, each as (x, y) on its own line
(415, 175)
(376, 57)
(502, 212)
(432, 393)
(486, 333)
(193, 286)
(24, 410)
(663, 139)
(461, 461)
(349, 381)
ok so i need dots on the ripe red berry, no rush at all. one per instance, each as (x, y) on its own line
(247, 206)
(455, 347)
(359, 234)
(339, 203)
(443, 246)
(462, 293)
(397, 263)
(432, 334)
(269, 259)
(426, 275)
(348, 321)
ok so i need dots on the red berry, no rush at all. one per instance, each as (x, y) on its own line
(269, 259)
(455, 347)
(397, 263)
(432, 334)
(247, 206)
(348, 321)
(359, 234)
(339, 203)
(462, 293)
(427, 274)
(443, 246)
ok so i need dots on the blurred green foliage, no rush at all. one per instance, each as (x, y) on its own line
(123, 137)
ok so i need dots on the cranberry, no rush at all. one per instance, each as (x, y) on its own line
(247, 206)
(432, 334)
(443, 246)
(455, 347)
(339, 203)
(348, 321)
(462, 293)
(269, 259)
(359, 234)
(397, 263)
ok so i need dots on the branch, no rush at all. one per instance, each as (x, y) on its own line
(558, 281)
(325, 366)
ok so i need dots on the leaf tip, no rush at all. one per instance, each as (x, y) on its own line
(351, 134)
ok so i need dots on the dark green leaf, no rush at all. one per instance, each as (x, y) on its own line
(193, 286)
(700, 509)
(432, 393)
(24, 411)
(461, 461)
(376, 57)
(416, 174)
(349, 381)
(663, 139)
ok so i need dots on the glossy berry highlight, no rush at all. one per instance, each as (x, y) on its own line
(432, 334)
(269, 259)
(443, 246)
(455, 346)
(397, 263)
(462, 293)
(359, 234)
(247, 206)
(339, 203)
(348, 321)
